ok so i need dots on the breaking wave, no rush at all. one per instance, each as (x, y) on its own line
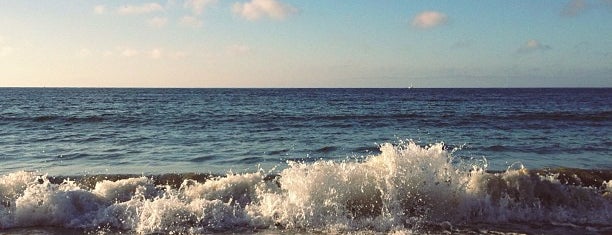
(405, 187)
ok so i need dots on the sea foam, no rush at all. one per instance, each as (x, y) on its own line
(406, 187)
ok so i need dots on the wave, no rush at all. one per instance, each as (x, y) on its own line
(562, 116)
(602, 116)
(367, 149)
(405, 187)
(326, 149)
(551, 149)
(71, 119)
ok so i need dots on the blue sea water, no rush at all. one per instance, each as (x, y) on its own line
(320, 143)
(78, 131)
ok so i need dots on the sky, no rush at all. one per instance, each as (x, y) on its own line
(307, 43)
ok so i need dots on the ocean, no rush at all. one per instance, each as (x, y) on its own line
(393, 161)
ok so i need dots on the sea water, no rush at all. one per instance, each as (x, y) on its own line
(305, 160)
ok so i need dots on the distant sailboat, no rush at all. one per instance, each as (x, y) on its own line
(410, 87)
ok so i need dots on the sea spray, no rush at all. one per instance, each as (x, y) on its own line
(403, 184)
(407, 187)
(45, 204)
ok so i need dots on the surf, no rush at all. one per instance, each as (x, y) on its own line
(405, 187)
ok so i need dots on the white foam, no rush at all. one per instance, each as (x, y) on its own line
(43, 203)
(608, 189)
(123, 190)
(403, 188)
(13, 184)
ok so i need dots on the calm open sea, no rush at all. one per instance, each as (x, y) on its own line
(305, 160)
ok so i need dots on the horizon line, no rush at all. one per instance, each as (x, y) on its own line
(407, 88)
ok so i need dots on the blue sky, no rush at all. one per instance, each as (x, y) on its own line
(314, 43)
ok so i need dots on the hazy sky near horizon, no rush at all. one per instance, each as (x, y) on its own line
(308, 43)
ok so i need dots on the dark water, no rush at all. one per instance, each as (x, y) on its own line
(307, 160)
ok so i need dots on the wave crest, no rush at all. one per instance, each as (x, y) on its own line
(406, 186)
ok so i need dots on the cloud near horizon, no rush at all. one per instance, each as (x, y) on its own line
(429, 19)
(198, 6)
(139, 9)
(5, 50)
(99, 9)
(238, 50)
(533, 45)
(158, 22)
(131, 53)
(574, 8)
(190, 21)
(257, 9)
(156, 53)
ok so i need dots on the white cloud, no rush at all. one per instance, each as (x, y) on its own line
(533, 45)
(140, 9)
(129, 52)
(574, 8)
(6, 51)
(99, 9)
(159, 53)
(256, 9)
(156, 53)
(429, 19)
(198, 6)
(238, 49)
(84, 52)
(178, 55)
(190, 21)
(158, 22)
